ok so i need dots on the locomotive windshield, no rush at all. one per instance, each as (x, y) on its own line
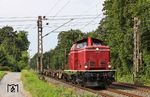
(82, 44)
(85, 42)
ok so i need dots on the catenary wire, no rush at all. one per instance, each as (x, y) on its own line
(58, 28)
(53, 7)
(90, 21)
(62, 8)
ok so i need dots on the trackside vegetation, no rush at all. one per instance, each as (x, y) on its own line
(39, 88)
(2, 73)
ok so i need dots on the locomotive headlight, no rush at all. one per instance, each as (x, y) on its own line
(85, 66)
(97, 49)
(109, 66)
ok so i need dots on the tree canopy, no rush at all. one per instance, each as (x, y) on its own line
(13, 49)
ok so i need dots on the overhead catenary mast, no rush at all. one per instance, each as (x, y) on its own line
(40, 66)
(137, 54)
(40, 46)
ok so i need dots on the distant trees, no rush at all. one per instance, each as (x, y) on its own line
(13, 49)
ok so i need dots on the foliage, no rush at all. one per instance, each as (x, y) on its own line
(39, 88)
(117, 29)
(144, 80)
(13, 49)
(2, 73)
(125, 78)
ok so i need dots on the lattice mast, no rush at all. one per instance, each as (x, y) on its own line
(137, 54)
(40, 46)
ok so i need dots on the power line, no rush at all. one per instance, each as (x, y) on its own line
(17, 17)
(90, 21)
(20, 25)
(34, 27)
(58, 27)
(84, 18)
(92, 7)
(28, 26)
(33, 20)
(53, 24)
(53, 6)
(62, 8)
(76, 15)
(50, 17)
(57, 19)
(30, 20)
(72, 25)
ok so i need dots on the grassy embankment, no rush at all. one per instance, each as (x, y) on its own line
(129, 79)
(2, 73)
(39, 88)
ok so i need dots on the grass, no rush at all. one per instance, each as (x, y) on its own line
(2, 73)
(129, 79)
(125, 78)
(145, 80)
(39, 88)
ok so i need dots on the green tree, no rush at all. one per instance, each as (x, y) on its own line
(13, 48)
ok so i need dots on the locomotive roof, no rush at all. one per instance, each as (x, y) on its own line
(85, 39)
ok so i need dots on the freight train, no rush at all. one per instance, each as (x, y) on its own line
(89, 64)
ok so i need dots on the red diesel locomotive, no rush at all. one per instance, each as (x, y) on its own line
(89, 64)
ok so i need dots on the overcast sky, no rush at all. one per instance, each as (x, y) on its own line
(30, 9)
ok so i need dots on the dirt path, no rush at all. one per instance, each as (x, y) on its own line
(9, 85)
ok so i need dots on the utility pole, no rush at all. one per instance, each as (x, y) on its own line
(40, 46)
(137, 54)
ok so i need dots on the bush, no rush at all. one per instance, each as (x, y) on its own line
(5, 68)
(2, 73)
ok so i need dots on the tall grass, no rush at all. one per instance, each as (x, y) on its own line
(125, 78)
(129, 79)
(39, 88)
(2, 73)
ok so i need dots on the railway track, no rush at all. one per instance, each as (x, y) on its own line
(83, 88)
(137, 87)
(109, 92)
(123, 93)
